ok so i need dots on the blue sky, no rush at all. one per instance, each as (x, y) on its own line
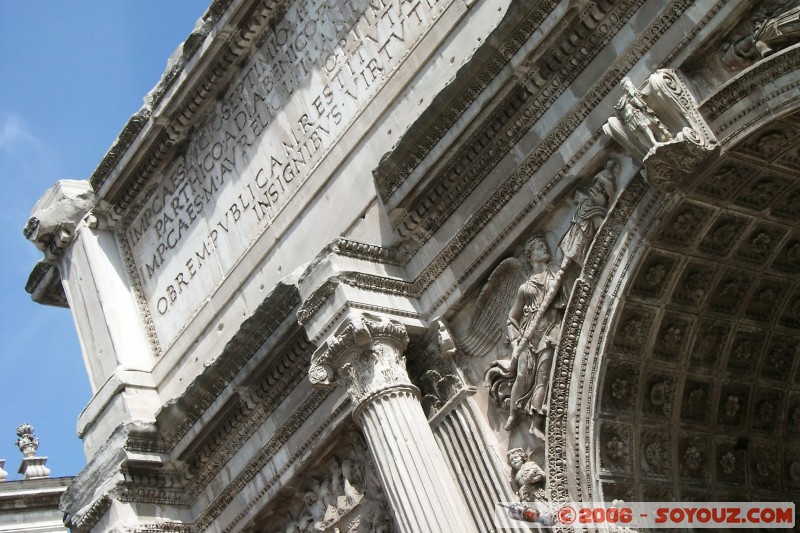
(71, 74)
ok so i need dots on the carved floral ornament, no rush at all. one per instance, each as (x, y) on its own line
(365, 355)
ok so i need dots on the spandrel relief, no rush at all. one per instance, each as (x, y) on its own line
(529, 478)
(506, 338)
(520, 384)
(520, 308)
(341, 494)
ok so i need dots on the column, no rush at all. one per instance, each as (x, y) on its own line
(366, 355)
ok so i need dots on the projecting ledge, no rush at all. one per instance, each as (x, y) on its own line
(126, 396)
(44, 285)
(335, 284)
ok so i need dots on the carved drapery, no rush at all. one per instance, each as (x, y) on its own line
(366, 355)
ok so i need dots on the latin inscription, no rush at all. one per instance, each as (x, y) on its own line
(303, 87)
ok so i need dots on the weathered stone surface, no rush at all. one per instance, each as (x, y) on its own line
(414, 206)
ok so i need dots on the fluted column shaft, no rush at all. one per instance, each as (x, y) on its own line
(366, 356)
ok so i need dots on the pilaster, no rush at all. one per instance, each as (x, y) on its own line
(91, 270)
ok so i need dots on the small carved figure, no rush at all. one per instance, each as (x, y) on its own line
(533, 328)
(590, 212)
(638, 118)
(659, 124)
(353, 478)
(615, 448)
(315, 505)
(528, 476)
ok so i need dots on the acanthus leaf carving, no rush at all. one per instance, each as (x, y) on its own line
(365, 355)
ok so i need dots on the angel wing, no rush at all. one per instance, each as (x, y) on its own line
(491, 312)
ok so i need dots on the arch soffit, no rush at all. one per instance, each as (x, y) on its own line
(756, 118)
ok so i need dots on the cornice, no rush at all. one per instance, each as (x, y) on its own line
(749, 87)
(202, 68)
(162, 527)
(211, 513)
(44, 285)
(91, 516)
(546, 148)
(369, 252)
(397, 165)
(540, 79)
(207, 387)
(252, 407)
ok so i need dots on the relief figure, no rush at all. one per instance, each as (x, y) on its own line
(523, 308)
(774, 27)
(777, 29)
(639, 119)
(590, 212)
(533, 329)
(529, 478)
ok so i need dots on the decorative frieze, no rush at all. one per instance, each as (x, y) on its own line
(256, 464)
(88, 517)
(340, 493)
(543, 81)
(254, 332)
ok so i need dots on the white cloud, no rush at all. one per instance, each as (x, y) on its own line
(13, 130)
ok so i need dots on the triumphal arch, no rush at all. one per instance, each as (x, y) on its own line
(378, 265)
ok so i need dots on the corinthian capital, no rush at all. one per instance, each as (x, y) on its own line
(365, 355)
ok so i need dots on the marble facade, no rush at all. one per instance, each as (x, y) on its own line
(380, 265)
